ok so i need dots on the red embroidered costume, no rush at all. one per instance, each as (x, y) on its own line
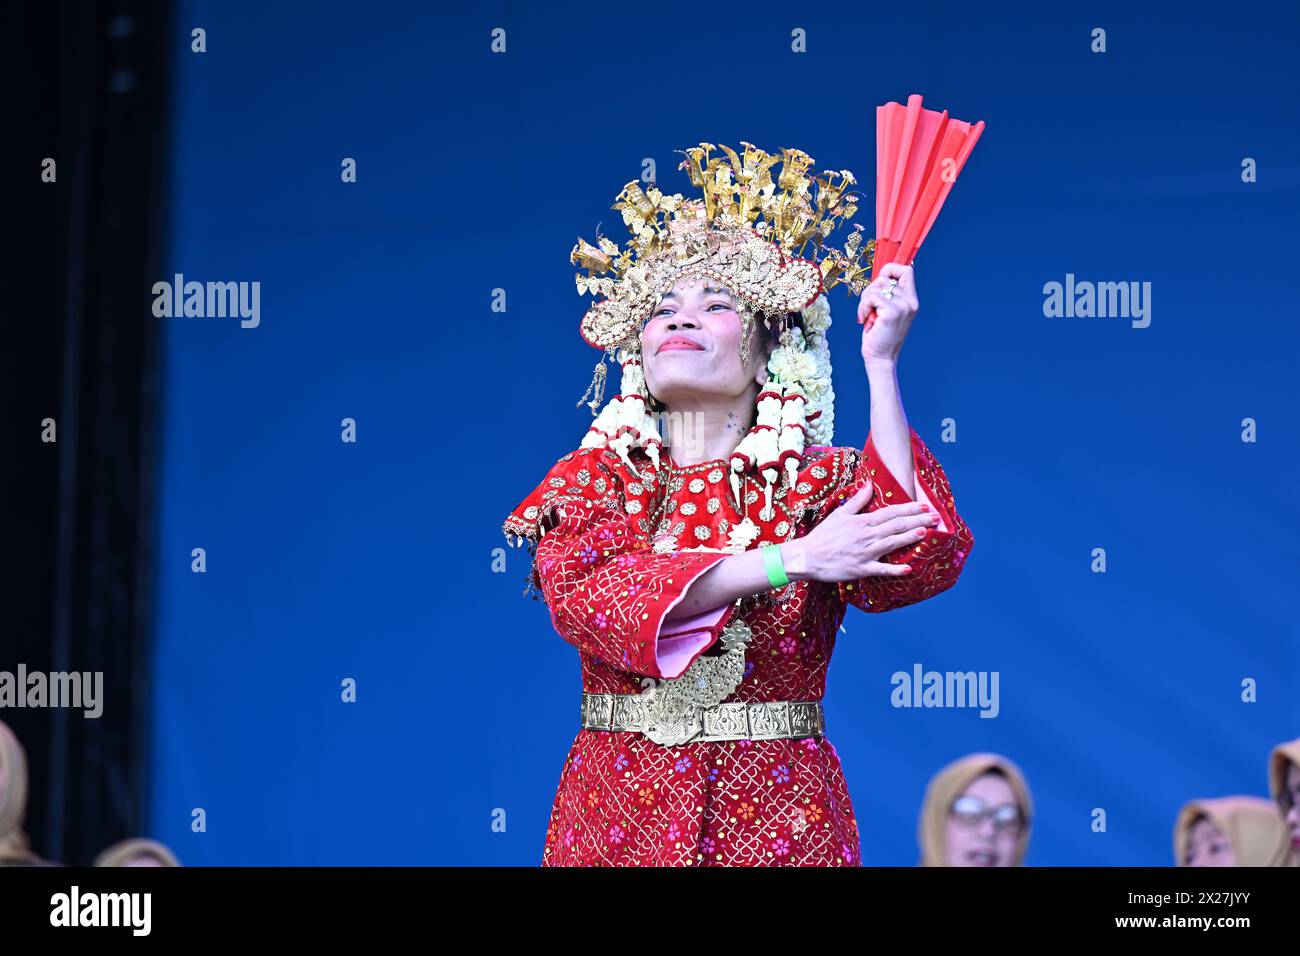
(624, 800)
(715, 752)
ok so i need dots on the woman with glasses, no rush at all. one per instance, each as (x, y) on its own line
(977, 812)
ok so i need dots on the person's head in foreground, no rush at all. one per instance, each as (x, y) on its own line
(1284, 784)
(137, 852)
(14, 849)
(977, 812)
(1231, 831)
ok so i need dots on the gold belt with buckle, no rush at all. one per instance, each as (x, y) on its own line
(734, 720)
(694, 708)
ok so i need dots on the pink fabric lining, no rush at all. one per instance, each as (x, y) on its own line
(682, 639)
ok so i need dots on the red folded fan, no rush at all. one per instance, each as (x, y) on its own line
(919, 154)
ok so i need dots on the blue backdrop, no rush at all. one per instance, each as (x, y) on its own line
(477, 171)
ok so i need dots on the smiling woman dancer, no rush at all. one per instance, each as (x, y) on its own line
(703, 576)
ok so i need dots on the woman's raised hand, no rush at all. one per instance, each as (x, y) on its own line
(893, 297)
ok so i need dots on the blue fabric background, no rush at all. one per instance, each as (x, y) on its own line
(477, 171)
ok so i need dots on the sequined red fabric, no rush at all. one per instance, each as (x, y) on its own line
(613, 552)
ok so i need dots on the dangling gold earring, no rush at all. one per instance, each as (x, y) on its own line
(765, 374)
(746, 333)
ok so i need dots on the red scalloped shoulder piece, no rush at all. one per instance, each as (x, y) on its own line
(586, 474)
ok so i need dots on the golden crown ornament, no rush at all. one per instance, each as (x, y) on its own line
(760, 229)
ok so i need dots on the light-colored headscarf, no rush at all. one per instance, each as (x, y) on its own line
(13, 799)
(1251, 825)
(119, 853)
(1279, 760)
(947, 785)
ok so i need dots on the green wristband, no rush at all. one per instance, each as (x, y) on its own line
(774, 566)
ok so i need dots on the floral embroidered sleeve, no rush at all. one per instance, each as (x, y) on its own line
(936, 559)
(607, 589)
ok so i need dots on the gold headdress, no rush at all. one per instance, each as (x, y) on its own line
(765, 240)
